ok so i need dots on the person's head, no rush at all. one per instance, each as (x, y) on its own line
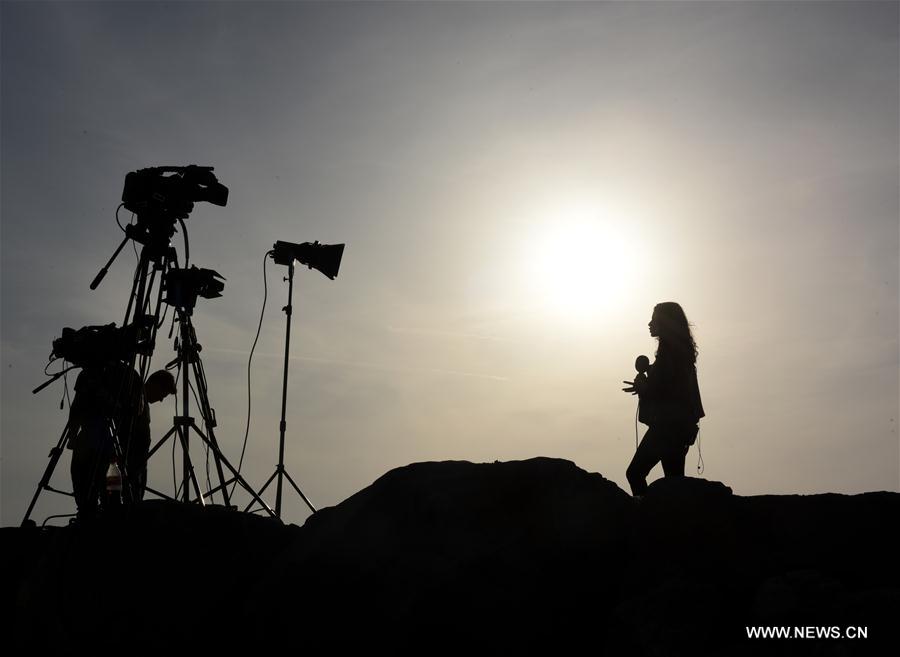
(159, 385)
(669, 324)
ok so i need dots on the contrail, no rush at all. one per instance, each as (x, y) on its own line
(395, 368)
(445, 334)
(366, 365)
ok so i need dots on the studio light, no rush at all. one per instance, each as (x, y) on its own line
(325, 258)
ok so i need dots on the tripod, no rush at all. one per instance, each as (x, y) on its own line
(68, 434)
(189, 363)
(280, 472)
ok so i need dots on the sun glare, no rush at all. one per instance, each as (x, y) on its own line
(581, 264)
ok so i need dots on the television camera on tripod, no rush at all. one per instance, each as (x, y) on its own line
(117, 360)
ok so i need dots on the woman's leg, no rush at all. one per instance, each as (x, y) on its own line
(673, 461)
(646, 456)
(677, 445)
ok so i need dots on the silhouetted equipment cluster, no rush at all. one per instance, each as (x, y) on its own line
(160, 198)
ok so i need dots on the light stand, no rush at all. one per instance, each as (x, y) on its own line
(327, 259)
(280, 471)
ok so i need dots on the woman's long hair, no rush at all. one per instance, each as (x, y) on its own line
(675, 337)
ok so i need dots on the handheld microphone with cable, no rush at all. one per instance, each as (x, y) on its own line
(642, 365)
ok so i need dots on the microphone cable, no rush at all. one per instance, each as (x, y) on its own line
(701, 466)
(249, 363)
(637, 412)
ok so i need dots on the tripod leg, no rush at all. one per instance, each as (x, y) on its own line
(214, 448)
(211, 441)
(243, 482)
(217, 457)
(160, 494)
(189, 468)
(160, 443)
(128, 495)
(299, 492)
(55, 455)
(162, 440)
(137, 286)
(91, 457)
(209, 417)
(262, 490)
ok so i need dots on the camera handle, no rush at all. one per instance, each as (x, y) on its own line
(102, 273)
(54, 378)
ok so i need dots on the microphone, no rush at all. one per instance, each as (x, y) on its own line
(642, 364)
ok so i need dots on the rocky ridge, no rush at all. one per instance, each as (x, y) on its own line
(448, 557)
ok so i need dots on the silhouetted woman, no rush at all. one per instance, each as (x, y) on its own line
(669, 399)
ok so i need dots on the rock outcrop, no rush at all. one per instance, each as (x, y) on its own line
(533, 556)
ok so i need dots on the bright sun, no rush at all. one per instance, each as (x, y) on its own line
(581, 265)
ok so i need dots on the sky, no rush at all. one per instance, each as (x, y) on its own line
(517, 185)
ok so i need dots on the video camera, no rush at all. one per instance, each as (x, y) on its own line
(94, 345)
(151, 190)
(183, 286)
